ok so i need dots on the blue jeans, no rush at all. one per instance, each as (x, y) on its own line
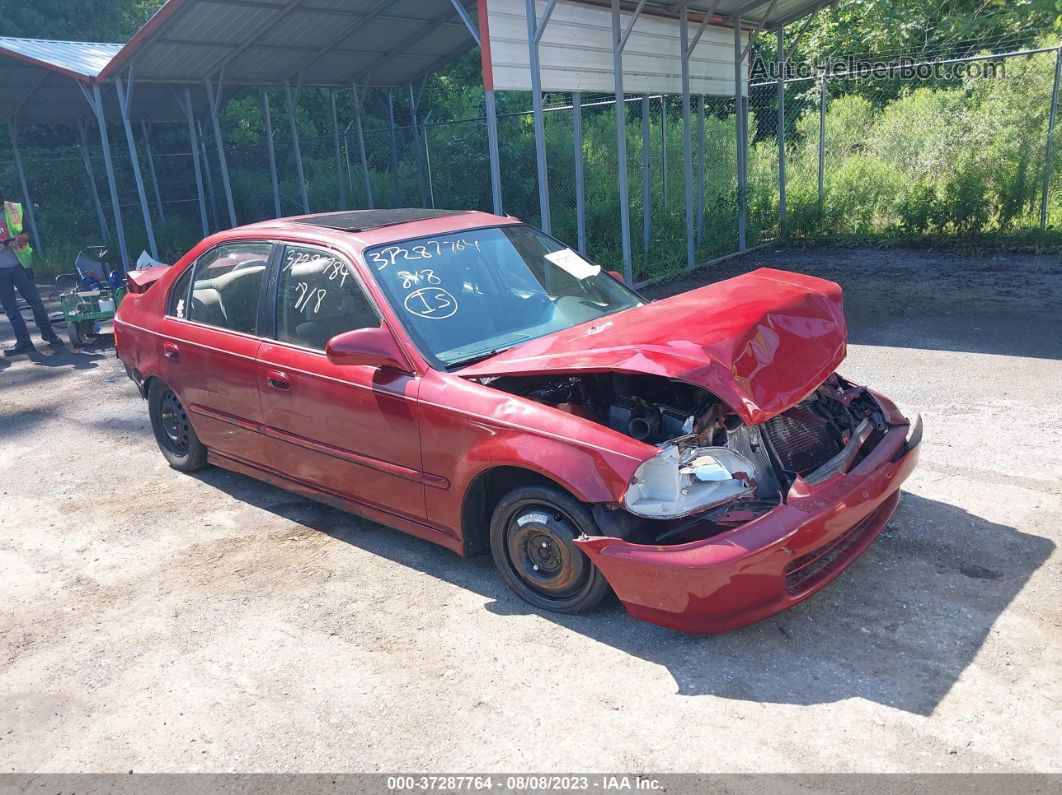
(13, 277)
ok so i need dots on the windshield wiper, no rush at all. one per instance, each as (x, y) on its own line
(479, 357)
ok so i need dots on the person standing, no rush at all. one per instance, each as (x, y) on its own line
(16, 256)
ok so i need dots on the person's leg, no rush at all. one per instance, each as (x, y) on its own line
(10, 303)
(29, 291)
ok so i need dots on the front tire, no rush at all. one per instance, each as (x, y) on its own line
(173, 429)
(532, 534)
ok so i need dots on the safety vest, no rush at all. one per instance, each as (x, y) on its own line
(13, 216)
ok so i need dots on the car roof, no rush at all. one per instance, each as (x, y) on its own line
(373, 227)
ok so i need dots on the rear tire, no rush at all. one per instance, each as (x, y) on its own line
(173, 429)
(532, 534)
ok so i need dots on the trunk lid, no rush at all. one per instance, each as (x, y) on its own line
(761, 342)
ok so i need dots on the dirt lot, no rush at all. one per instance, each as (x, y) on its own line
(154, 621)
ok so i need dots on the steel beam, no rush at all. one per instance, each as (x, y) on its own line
(27, 200)
(415, 130)
(580, 182)
(822, 135)
(361, 144)
(125, 97)
(492, 152)
(209, 177)
(339, 153)
(105, 234)
(621, 141)
(146, 131)
(687, 144)
(534, 32)
(700, 168)
(95, 101)
(214, 100)
(300, 174)
(267, 121)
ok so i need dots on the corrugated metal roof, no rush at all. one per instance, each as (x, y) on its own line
(84, 58)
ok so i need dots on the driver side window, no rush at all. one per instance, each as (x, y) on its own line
(319, 297)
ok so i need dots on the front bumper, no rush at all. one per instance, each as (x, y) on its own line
(771, 563)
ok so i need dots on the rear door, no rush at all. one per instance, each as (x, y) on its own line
(351, 430)
(210, 341)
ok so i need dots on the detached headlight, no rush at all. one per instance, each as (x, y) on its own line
(676, 482)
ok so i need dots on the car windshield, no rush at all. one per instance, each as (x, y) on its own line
(467, 295)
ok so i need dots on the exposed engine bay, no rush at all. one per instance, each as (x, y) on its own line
(713, 472)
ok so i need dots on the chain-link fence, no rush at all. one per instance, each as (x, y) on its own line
(939, 156)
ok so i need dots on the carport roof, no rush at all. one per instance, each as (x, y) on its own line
(328, 43)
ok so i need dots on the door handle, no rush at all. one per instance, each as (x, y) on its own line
(170, 350)
(278, 380)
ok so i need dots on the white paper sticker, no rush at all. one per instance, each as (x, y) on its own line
(570, 262)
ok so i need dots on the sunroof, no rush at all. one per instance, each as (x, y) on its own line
(363, 220)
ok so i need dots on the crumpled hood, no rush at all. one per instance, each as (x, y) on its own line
(761, 342)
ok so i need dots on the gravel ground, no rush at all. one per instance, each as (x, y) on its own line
(154, 621)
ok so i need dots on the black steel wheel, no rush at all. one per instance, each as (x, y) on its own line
(173, 429)
(532, 534)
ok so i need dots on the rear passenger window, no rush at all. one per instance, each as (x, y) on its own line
(319, 298)
(226, 286)
(178, 305)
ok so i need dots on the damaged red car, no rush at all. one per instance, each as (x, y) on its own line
(470, 380)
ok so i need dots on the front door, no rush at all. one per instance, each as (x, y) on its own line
(210, 342)
(350, 430)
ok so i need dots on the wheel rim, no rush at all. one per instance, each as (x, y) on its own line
(88, 330)
(541, 552)
(174, 423)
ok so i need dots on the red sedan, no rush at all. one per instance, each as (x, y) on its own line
(467, 379)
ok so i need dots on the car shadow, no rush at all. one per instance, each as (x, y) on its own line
(898, 628)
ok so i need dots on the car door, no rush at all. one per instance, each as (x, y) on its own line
(210, 343)
(351, 430)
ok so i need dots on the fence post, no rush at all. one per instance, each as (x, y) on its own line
(394, 149)
(663, 149)
(700, 169)
(822, 135)
(1049, 154)
(358, 102)
(580, 195)
(105, 234)
(783, 218)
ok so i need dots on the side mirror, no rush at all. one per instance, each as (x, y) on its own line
(374, 347)
(616, 275)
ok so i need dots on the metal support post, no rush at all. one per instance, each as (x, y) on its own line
(618, 42)
(415, 131)
(267, 121)
(397, 198)
(125, 98)
(783, 217)
(687, 144)
(193, 138)
(339, 153)
(95, 101)
(700, 169)
(214, 100)
(646, 189)
(105, 234)
(580, 183)
(535, 28)
(361, 144)
(26, 199)
(209, 177)
(146, 131)
(739, 121)
(822, 135)
(289, 96)
(1049, 154)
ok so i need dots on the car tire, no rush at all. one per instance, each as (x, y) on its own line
(173, 429)
(532, 534)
